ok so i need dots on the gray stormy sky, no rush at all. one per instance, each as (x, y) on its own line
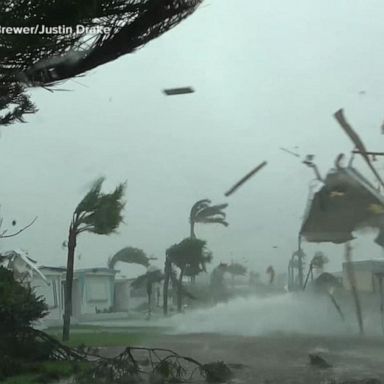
(268, 73)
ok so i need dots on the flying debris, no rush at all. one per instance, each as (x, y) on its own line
(339, 116)
(347, 202)
(245, 178)
(290, 152)
(178, 91)
(22, 265)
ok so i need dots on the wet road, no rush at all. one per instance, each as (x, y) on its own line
(283, 358)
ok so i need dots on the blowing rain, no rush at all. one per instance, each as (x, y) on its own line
(192, 192)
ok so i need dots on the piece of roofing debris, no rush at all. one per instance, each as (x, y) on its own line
(178, 91)
(345, 203)
(217, 372)
(317, 361)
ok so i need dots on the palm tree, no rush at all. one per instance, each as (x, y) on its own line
(318, 261)
(204, 213)
(271, 272)
(189, 253)
(97, 213)
(130, 255)
(147, 280)
(236, 269)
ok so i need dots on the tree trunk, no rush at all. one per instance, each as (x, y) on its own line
(352, 283)
(301, 270)
(192, 235)
(180, 292)
(167, 273)
(69, 283)
(149, 294)
(308, 274)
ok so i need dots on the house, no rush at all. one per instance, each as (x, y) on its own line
(52, 290)
(367, 274)
(128, 298)
(92, 292)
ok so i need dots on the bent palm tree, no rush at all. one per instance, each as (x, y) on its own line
(204, 213)
(236, 269)
(147, 280)
(130, 255)
(189, 253)
(318, 261)
(97, 213)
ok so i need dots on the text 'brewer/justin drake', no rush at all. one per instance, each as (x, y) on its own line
(52, 30)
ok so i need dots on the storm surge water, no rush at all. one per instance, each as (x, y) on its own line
(254, 316)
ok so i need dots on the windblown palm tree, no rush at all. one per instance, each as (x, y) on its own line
(147, 280)
(42, 59)
(318, 261)
(271, 273)
(130, 255)
(189, 253)
(205, 213)
(236, 269)
(97, 213)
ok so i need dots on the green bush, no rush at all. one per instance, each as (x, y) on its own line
(19, 308)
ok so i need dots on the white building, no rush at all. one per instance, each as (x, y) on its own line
(367, 274)
(92, 292)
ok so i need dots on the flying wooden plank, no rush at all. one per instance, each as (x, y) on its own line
(178, 91)
(246, 178)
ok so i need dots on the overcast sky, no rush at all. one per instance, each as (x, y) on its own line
(267, 74)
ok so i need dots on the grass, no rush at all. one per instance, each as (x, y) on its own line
(91, 336)
(95, 336)
(47, 372)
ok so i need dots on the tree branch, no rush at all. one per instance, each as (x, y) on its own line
(4, 236)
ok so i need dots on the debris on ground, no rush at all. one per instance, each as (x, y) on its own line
(217, 372)
(318, 361)
(362, 381)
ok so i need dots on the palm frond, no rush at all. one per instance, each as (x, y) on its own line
(213, 220)
(209, 211)
(88, 204)
(129, 255)
(100, 213)
(198, 206)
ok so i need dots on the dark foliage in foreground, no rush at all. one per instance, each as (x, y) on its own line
(20, 344)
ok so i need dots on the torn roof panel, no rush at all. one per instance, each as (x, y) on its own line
(346, 202)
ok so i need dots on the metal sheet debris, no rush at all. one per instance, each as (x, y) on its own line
(346, 202)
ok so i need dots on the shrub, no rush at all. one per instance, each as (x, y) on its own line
(19, 308)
